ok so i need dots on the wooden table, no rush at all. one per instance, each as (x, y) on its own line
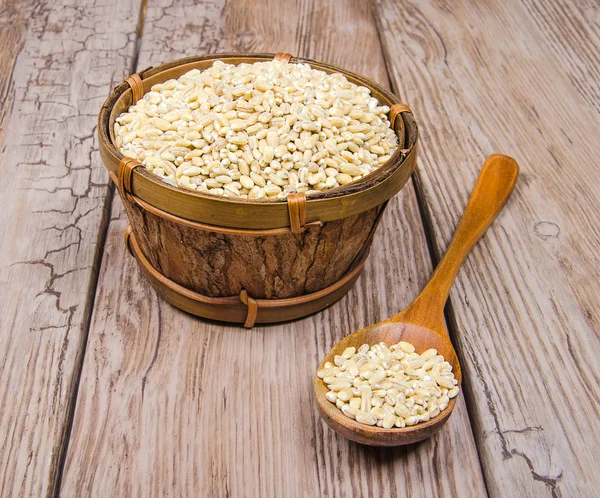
(106, 390)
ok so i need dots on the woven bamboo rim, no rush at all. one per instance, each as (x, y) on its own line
(243, 308)
(145, 189)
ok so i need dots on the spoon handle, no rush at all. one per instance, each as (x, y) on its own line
(492, 189)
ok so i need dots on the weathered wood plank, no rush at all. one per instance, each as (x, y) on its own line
(519, 78)
(214, 410)
(56, 65)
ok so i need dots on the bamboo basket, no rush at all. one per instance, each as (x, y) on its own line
(247, 261)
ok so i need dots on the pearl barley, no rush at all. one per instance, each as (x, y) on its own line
(389, 386)
(257, 131)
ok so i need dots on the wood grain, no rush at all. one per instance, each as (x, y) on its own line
(519, 78)
(271, 267)
(56, 66)
(168, 402)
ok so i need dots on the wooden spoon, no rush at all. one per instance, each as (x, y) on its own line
(422, 323)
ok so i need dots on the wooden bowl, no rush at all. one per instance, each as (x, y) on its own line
(244, 260)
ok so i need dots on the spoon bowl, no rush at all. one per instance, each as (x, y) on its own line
(422, 322)
(422, 339)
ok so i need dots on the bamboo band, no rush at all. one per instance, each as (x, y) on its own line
(252, 309)
(137, 87)
(297, 211)
(127, 237)
(266, 232)
(397, 109)
(126, 167)
(282, 56)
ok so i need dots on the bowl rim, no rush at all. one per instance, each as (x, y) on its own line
(324, 206)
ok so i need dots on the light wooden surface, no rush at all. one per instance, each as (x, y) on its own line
(166, 404)
(56, 66)
(520, 78)
(214, 410)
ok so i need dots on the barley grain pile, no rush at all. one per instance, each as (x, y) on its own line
(389, 386)
(261, 130)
